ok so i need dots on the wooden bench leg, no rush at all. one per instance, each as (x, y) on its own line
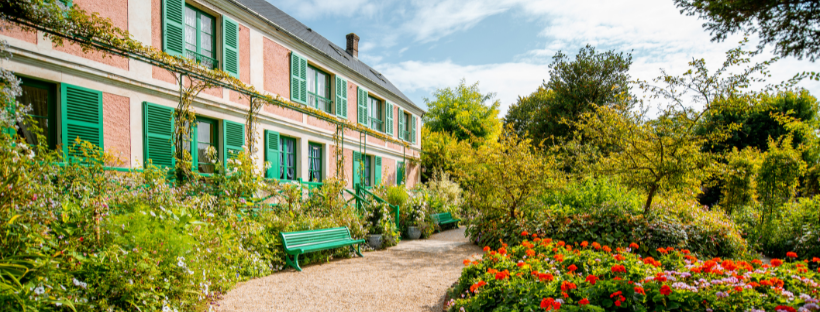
(294, 263)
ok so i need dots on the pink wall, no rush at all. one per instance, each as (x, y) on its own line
(277, 68)
(313, 121)
(117, 127)
(17, 32)
(388, 171)
(348, 166)
(156, 41)
(117, 13)
(244, 54)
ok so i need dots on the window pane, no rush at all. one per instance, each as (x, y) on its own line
(190, 17)
(204, 132)
(321, 84)
(206, 44)
(311, 80)
(206, 23)
(38, 99)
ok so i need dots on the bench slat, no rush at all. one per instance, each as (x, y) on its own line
(300, 242)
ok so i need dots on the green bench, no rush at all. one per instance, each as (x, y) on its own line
(297, 243)
(444, 218)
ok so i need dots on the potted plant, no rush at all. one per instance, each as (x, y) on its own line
(415, 216)
(375, 225)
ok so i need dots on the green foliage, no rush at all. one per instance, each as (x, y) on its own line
(442, 151)
(793, 227)
(739, 180)
(396, 195)
(500, 180)
(576, 86)
(790, 26)
(779, 174)
(590, 194)
(463, 112)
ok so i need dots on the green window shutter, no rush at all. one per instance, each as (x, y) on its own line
(413, 130)
(298, 78)
(230, 46)
(173, 39)
(158, 132)
(67, 3)
(378, 173)
(82, 115)
(361, 99)
(388, 123)
(401, 134)
(400, 173)
(272, 153)
(341, 97)
(233, 135)
(357, 165)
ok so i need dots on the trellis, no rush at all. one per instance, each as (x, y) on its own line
(182, 68)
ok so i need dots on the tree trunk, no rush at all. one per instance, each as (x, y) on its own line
(649, 198)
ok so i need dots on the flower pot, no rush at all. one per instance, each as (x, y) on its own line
(413, 232)
(374, 240)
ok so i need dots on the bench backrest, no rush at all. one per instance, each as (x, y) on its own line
(441, 217)
(311, 237)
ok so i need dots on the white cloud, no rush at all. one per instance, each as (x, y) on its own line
(437, 19)
(507, 80)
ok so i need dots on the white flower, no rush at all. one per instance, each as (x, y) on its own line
(39, 290)
(181, 264)
(166, 309)
(153, 214)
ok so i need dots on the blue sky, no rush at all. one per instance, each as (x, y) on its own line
(507, 45)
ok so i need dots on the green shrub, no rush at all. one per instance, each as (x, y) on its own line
(396, 195)
(593, 194)
(792, 227)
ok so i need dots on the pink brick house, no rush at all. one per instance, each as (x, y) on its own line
(114, 102)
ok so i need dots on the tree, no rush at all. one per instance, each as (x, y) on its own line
(773, 116)
(665, 153)
(441, 152)
(790, 25)
(779, 174)
(463, 112)
(576, 86)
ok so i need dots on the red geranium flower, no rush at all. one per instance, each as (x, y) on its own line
(592, 279)
(584, 244)
(466, 262)
(572, 268)
(665, 290)
(791, 254)
(639, 290)
(776, 262)
(525, 233)
(584, 301)
(784, 308)
(633, 246)
(486, 248)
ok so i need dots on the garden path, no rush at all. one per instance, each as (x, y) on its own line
(412, 276)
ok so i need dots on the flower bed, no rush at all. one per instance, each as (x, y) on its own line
(542, 274)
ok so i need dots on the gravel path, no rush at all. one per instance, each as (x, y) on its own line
(412, 276)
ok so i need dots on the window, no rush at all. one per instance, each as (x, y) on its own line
(366, 171)
(407, 129)
(200, 36)
(375, 111)
(318, 85)
(204, 137)
(315, 155)
(42, 98)
(287, 159)
(400, 173)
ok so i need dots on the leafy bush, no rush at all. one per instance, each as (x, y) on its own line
(794, 226)
(396, 195)
(593, 194)
(550, 274)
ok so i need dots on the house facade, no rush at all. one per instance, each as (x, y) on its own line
(122, 105)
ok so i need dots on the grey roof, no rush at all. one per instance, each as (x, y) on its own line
(279, 18)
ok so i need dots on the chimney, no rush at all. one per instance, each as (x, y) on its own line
(353, 45)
